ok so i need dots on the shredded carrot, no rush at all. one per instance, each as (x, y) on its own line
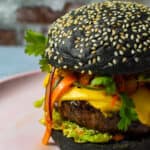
(51, 97)
(47, 135)
(114, 100)
(118, 137)
(62, 87)
(47, 109)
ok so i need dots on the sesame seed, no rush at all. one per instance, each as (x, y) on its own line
(121, 52)
(124, 48)
(118, 46)
(139, 50)
(57, 52)
(115, 53)
(132, 52)
(59, 61)
(128, 45)
(81, 51)
(137, 40)
(89, 62)
(52, 50)
(114, 61)
(55, 57)
(108, 30)
(126, 35)
(127, 25)
(111, 39)
(114, 43)
(89, 72)
(135, 46)
(93, 40)
(132, 37)
(116, 37)
(113, 32)
(120, 40)
(144, 49)
(145, 43)
(124, 59)
(98, 58)
(96, 35)
(76, 67)
(105, 33)
(101, 42)
(94, 60)
(91, 37)
(55, 44)
(82, 71)
(80, 63)
(65, 67)
(140, 46)
(136, 59)
(110, 64)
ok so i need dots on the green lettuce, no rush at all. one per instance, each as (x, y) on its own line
(38, 103)
(107, 82)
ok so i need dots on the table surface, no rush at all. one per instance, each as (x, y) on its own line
(13, 61)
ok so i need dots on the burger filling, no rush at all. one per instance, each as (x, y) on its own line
(97, 107)
(80, 134)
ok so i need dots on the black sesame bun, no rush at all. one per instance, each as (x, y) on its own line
(111, 36)
(69, 144)
(108, 38)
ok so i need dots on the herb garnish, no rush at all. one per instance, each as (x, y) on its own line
(108, 82)
(36, 45)
(127, 112)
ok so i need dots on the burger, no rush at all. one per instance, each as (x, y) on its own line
(98, 86)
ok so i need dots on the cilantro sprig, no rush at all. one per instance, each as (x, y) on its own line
(127, 112)
(36, 45)
(108, 82)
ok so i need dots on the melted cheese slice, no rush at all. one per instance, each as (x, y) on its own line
(142, 105)
(102, 101)
(97, 99)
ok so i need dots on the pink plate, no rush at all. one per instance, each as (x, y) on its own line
(19, 126)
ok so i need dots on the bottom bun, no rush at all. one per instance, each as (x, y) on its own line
(68, 144)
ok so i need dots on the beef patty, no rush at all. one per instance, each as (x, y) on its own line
(85, 115)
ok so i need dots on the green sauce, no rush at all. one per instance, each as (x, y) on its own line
(78, 133)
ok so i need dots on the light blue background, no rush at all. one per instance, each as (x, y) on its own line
(13, 60)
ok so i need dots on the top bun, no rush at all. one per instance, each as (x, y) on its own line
(102, 38)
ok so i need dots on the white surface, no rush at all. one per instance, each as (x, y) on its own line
(19, 126)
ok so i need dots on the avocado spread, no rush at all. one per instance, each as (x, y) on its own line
(78, 133)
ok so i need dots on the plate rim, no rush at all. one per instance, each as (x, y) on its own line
(20, 75)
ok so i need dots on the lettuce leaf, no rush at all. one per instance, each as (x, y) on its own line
(105, 81)
(38, 103)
